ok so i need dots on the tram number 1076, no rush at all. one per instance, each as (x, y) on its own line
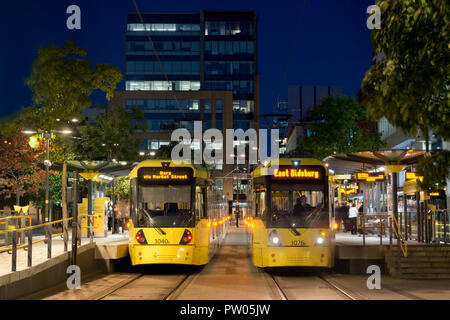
(298, 243)
(161, 241)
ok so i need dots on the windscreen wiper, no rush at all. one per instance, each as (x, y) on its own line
(154, 225)
(294, 231)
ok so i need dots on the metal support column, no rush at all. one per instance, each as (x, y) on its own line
(113, 218)
(405, 213)
(419, 218)
(14, 251)
(90, 230)
(395, 209)
(75, 219)
(30, 247)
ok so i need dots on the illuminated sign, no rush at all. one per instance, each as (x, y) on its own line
(151, 175)
(349, 190)
(412, 176)
(343, 176)
(437, 195)
(297, 173)
(370, 177)
(165, 175)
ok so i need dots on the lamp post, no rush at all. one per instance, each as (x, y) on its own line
(47, 135)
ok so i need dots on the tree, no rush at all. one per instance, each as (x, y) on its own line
(62, 81)
(165, 152)
(111, 137)
(18, 173)
(409, 84)
(337, 127)
(54, 191)
(435, 170)
(121, 188)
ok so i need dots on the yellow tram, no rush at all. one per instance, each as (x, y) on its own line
(178, 216)
(292, 221)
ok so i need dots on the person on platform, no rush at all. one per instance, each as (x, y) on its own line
(361, 214)
(353, 215)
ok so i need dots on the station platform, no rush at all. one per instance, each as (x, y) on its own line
(92, 257)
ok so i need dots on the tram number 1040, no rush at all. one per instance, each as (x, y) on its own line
(161, 241)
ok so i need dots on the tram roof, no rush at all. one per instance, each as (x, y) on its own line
(199, 171)
(262, 169)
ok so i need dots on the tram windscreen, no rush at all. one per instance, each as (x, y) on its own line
(164, 206)
(297, 206)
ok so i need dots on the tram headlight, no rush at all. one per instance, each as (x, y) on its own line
(320, 241)
(274, 239)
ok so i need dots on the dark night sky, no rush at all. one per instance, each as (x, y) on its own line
(332, 48)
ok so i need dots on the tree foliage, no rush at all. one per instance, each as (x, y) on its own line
(18, 172)
(111, 137)
(54, 191)
(62, 81)
(410, 84)
(435, 170)
(337, 128)
(121, 188)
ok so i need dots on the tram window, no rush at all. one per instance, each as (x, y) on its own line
(168, 205)
(304, 208)
(199, 203)
(260, 204)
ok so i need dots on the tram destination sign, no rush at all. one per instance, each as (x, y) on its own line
(149, 176)
(301, 174)
(370, 177)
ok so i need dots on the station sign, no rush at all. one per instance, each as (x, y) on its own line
(369, 177)
(342, 176)
(437, 195)
(349, 190)
(412, 176)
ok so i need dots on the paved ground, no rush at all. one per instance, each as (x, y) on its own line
(39, 252)
(231, 276)
(393, 288)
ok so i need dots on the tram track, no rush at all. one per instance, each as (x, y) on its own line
(127, 283)
(109, 291)
(344, 292)
(179, 288)
(331, 284)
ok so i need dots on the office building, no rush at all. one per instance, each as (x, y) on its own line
(204, 69)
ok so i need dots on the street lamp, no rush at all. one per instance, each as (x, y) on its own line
(47, 135)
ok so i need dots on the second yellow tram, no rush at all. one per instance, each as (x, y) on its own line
(292, 221)
(178, 216)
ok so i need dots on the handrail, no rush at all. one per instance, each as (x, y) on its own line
(371, 215)
(36, 226)
(34, 242)
(15, 217)
(29, 230)
(399, 234)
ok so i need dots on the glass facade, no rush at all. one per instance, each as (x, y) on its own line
(228, 28)
(165, 105)
(162, 85)
(228, 62)
(162, 27)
